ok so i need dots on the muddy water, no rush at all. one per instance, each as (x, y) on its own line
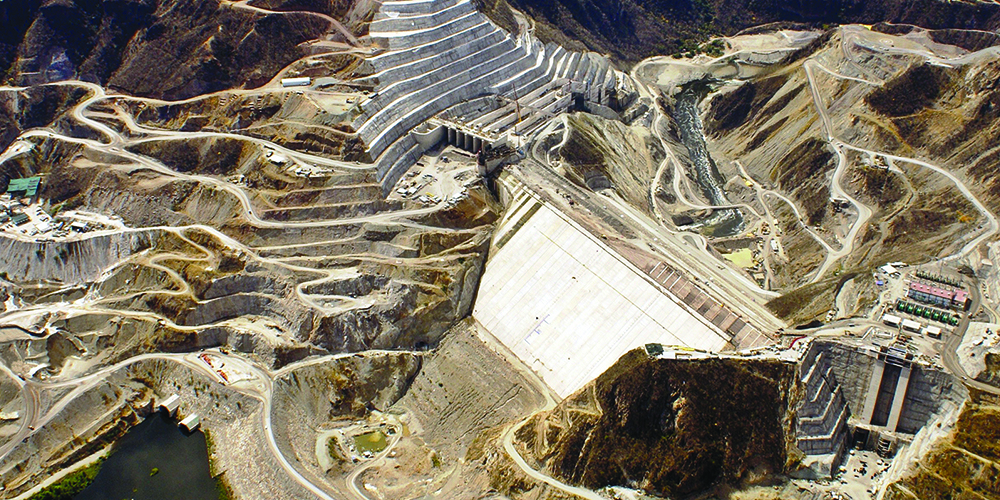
(723, 222)
(155, 461)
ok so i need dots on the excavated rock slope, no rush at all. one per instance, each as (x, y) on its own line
(963, 464)
(607, 154)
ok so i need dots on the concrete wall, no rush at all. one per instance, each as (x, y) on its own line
(928, 391)
(429, 138)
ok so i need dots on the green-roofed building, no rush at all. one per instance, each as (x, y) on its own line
(24, 188)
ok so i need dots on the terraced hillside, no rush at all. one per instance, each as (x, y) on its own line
(280, 211)
(204, 206)
(446, 58)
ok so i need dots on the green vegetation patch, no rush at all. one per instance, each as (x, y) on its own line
(373, 442)
(71, 485)
(223, 489)
(978, 431)
(742, 258)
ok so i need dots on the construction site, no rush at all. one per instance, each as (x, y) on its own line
(425, 250)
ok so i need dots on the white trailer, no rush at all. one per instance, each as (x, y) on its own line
(933, 332)
(892, 320)
(913, 326)
(296, 82)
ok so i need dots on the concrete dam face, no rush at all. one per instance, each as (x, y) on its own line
(555, 295)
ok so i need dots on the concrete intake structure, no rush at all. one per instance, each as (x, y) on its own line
(887, 389)
(443, 55)
(881, 394)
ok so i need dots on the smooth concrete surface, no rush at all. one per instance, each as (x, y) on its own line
(872, 395)
(569, 307)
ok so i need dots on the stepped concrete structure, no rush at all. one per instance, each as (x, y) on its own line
(874, 392)
(448, 73)
(821, 420)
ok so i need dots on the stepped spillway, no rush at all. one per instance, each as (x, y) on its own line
(821, 431)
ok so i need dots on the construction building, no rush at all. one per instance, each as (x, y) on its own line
(24, 188)
(19, 219)
(910, 325)
(892, 320)
(933, 332)
(938, 296)
(296, 82)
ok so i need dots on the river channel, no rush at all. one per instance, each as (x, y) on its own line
(722, 223)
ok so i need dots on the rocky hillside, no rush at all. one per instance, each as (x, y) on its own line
(631, 30)
(606, 154)
(671, 428)
(964, 464)
(910, 107)
(157, 48)
(43, 106)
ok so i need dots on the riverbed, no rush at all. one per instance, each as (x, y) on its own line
(727, 222)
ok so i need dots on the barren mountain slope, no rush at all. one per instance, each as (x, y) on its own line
(158, 48)
(941, 110)
(631, 30)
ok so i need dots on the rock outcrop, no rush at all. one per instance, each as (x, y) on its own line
(670, 427)
(963, 463)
